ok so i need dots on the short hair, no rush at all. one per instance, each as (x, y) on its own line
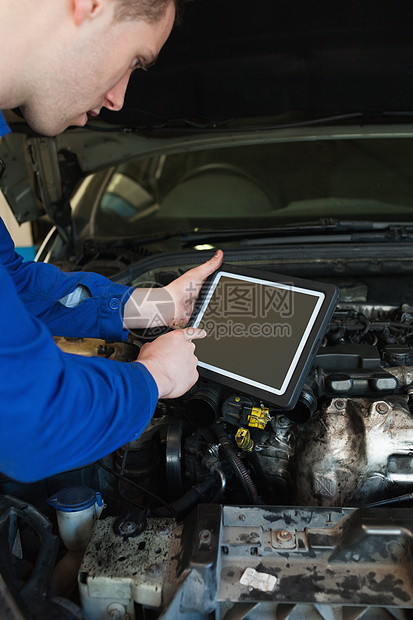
(150, 11)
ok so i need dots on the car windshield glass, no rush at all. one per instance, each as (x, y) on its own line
(258, 185)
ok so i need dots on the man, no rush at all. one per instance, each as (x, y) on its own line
(59, 62)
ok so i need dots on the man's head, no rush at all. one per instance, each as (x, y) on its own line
(147, 10)
(77, 56)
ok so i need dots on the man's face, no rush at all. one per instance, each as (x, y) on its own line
(92, 70)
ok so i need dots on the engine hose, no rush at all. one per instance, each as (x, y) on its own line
(392, 500)
(263, 485)
(190, 499)
(237, 465)
(221, 491)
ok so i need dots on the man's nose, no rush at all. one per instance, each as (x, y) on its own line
(115, 97)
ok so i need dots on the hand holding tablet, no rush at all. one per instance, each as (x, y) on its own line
(263, 331)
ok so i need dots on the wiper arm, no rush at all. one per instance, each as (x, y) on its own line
(329, 230)
(250, 233)
(344, 231)
(389, 233)
(189, 126)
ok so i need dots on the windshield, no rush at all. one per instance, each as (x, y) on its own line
(258, 185)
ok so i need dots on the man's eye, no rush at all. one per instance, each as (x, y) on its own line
(137, 65)
(141, 64)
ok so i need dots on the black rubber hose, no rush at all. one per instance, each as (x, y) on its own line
(236, 464)
(263, 485)
(190, 499)
(392, 500)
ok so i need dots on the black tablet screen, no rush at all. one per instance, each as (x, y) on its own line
(256, 329)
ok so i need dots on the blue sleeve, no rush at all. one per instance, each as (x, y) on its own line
(41, 287)
(60, 411)
(4, 128)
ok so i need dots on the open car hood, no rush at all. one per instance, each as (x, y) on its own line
(249, 60)
(230, 66)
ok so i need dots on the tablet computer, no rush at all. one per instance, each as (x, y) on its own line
(263, 331)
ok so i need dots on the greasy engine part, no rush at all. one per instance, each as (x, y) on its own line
(90, 347)
(275, 452)
(237, 557)
(355, 451)
(131, 523)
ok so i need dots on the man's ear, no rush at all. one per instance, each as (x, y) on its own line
(86, 9)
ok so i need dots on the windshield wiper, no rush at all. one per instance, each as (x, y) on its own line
(389, 233)
(345, 231)
(234, 125)
(327, 231)
(187, 125)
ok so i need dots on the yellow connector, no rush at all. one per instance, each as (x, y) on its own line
(259, 417)
(243, 440)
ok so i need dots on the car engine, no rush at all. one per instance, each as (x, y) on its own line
(348, 441)
(225, 503)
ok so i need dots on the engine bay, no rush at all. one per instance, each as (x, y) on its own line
(222, 491)
(347, 442)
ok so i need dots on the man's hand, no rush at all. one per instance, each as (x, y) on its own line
(171, 305)
(185, 289)
(171, 361)
(170, 358)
